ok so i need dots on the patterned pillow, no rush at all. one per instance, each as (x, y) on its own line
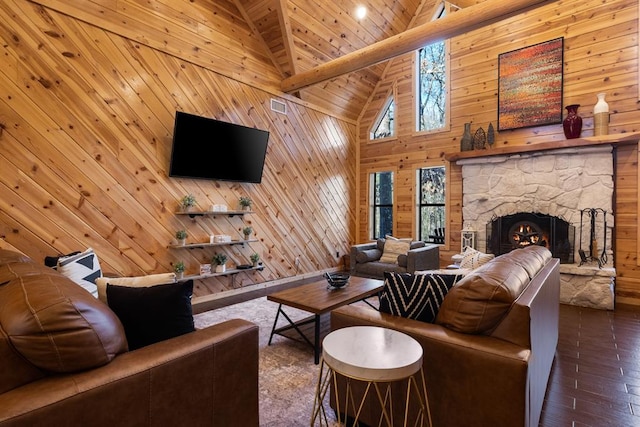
(83, 268)
(415, 296)
(472, 258)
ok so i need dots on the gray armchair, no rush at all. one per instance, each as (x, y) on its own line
(365, 259)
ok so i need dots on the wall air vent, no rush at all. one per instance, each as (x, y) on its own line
(278, 106)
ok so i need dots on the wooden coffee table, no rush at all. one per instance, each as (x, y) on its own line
(317, 299)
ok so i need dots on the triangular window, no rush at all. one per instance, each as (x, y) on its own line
(384, 126)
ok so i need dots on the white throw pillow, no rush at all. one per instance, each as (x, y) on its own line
(82, 268)
(472, 258)
(133, 282)
(393, 248)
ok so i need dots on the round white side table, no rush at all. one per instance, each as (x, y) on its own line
(378, 357)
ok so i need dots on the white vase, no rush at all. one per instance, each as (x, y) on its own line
(221, 268)
(601, 116)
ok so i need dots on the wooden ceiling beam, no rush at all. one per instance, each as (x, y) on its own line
(463, 3)
(451, 25)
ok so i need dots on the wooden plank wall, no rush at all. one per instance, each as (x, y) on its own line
(88, 92)
(601, 55)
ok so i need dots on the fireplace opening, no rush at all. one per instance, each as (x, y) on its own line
(523, 229)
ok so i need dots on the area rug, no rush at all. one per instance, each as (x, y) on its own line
(288, 376)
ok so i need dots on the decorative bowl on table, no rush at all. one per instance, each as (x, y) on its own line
(337, 280)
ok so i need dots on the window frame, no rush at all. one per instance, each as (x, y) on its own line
(373, 205)
(420, 205)
(443, 9)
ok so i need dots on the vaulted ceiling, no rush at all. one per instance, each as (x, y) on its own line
(302, 34)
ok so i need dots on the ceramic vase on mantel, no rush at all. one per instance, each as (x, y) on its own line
(572, 124)
(601, 116)
(466, 142)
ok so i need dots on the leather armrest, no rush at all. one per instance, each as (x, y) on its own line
(206, 377)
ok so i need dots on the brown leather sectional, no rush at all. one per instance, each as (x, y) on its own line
(65, 362)
(488, 357)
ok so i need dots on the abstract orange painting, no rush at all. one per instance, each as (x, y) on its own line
(530, 86)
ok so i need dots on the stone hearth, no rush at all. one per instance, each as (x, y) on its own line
(562, 183)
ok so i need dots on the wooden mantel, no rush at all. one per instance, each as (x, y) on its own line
(620, 138)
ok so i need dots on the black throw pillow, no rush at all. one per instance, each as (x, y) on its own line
(415, 296)
(152, 314)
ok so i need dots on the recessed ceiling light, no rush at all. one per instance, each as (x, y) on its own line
(361, 12)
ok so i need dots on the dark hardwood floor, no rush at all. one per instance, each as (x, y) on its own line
(595, 379)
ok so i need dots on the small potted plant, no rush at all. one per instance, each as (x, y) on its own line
(247, 232)
(188, 202)
(245, 203)
(220, 261)
(254, 259)
(181, 235)
(178, 268)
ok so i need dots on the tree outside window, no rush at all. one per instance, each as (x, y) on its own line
(431, 204)
(382, 206)
(431, 87)
(384, 126)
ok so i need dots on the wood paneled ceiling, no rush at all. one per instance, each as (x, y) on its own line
(302, 34)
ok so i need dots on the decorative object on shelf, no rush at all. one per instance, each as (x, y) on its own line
(178, 268)
(205, 269)
(467, 238)
(247, 232)
(181, 235)
(572, 124)
(466, 142)
(245, 203)
(254, 259)
(491, 135)
(188, 202)
(530, 86)
(218, 208)
(479, 139)
(220, 261)
(601, 116)
(221, 238)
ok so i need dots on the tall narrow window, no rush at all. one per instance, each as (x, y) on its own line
(382, 204)
(384, 125)
(431, 204)
(432, 85)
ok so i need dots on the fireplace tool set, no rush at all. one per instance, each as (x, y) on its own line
(591, 214)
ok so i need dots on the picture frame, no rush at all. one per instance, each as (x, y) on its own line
(530, 82)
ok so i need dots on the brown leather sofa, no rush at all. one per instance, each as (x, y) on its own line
(488, 356)
(65, 362)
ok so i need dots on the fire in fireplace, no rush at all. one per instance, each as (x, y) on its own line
(510, 232)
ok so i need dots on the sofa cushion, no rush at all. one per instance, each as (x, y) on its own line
(83, 268)
(393, 248)
(368, 255)
(154, 313)
(480, 300)
(415, 296)
(56, 325)
(133, 282)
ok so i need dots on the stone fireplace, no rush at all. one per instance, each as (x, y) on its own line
(561, 199)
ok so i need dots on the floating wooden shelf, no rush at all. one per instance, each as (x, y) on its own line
(207, 245)
(226, 273)
(193, 214)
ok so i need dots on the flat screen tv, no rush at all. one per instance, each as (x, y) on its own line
(205, 148)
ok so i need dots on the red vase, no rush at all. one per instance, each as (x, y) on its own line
(572, 124)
